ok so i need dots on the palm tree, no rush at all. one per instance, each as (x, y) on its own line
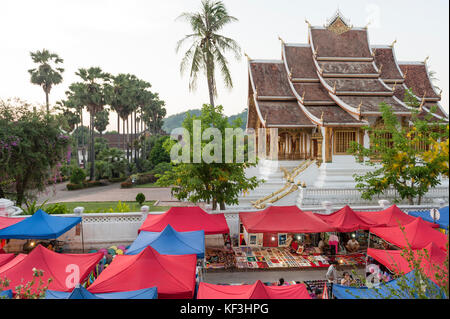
(45, 75)
(207, 46)
(93, 92)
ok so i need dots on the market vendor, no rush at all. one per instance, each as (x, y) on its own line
(352, 245)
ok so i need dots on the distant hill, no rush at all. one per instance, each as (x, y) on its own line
(173, 121)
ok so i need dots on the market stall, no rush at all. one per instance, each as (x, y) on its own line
(5, 258)
(170, 242)
(256, 291)
(396, 262)
(384, 290)
(8, 221)
(174, 276)
(441, 218)
(346, 220)
(417, 233)
(388, 217)
(82, 293)
(54, 265)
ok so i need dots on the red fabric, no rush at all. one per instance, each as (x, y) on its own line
(5, 258)
(283, 219)
(54, 266)
(267, 240)
(346, 220)
(187, 219)
(294, 245)
(418, 233)
(256, 291)
(12, 262)
(389, 217)
(8, 221)
(394, 260)
(173, 275)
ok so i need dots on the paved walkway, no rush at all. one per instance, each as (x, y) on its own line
(59, 193)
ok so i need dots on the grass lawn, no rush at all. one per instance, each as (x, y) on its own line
(104, 207)
(149, 185)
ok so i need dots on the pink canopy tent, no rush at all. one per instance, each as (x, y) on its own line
(388, 217)
(8, 221)
(283, 219)
(54, 265)
(346, 220)
(173, 275)
(394, 260)
(12, 262)
(184, 219)
(5, 258)
(256, 291)
(418, 233)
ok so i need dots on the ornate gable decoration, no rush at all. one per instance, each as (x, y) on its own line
(338, 24)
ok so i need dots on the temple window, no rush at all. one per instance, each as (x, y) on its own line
(342, 140)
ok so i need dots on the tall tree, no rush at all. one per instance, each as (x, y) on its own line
(101, 120)
(93, 92)
(207, 47)
(46, 75)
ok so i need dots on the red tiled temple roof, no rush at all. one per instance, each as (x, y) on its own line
(385, 60)
(418, 80)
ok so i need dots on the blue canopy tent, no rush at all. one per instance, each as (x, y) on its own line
(40, 226)
(442, 221)
(383, 291)
(6, 294)
(83, 293)
(170, 242)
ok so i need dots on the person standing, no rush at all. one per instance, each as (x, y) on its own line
(332, 275)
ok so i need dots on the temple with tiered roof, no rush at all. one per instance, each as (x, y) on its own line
(321, 94)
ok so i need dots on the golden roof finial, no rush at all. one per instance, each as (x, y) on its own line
(440, 91)
(423, 101)
(248, 58)
(307, 22)
(290, 74)
(395, 85)
(315, 51)
(255, 93)
(426, 59)
(279, 38)
(367, 25)
(303, 96)
(359, 106)
(392, 44)
(321, 117)
(374, 52)
(404, 74)
(334, 87)
(381, 68)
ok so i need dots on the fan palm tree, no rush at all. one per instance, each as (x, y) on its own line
(208, 48)
(45, 75)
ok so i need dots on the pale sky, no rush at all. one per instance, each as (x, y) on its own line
(139, 37)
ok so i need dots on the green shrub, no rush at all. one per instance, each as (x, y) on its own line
(161, 168)
(78, 176)
(32, 207)
(122, 207)
(140, 198)
(72, 187)
(57, 208)
(117, 179)
(145, 178)
(93, 183)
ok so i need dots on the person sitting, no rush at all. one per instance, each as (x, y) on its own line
(321, 246)
(347, 280)
(352, 245)
(281, 282)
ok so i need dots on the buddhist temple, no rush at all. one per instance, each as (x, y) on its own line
(319, 95)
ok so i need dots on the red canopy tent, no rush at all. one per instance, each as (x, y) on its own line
(418, 233)
(283, 219)
(12, 262)
(5, 258)
(54, 265)
(187, 219)
(394, 260)
(173, 275)
(8, 221)
(388, 217)
(346, 220)
(256, 291)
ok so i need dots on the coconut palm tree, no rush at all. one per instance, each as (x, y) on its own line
(45, 75)
(207, 49)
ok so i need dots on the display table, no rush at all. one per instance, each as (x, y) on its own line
(219, 258)
(279, 257)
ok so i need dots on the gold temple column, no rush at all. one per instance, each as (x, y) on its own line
(328, 144)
